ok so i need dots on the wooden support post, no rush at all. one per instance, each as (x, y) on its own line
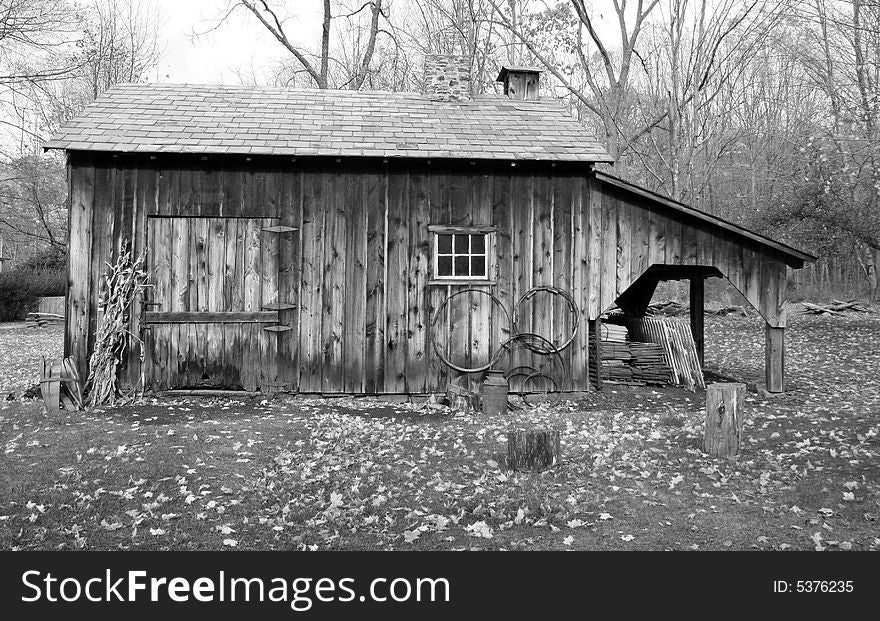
(596, 350)
(697, 314)
(774, 358)
(724, 419)
(532, 449)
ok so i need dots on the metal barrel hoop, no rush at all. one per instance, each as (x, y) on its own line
(545, 346)
(573, 309)
(438, 312)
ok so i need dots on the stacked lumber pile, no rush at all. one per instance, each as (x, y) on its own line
(649, 363)
(837, 307)
(669, 307)
(629, 362)
(614, 333)
(677, 342)
(615, 355)
(41, 320)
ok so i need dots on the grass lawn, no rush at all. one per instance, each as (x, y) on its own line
(295, 473)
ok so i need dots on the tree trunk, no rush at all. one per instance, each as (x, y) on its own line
(724, 419)
(872, 258)
(533, 450)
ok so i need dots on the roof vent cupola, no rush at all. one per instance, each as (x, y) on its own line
(521, 83)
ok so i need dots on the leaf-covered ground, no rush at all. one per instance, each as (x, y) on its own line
(296, 473)
(20, 351)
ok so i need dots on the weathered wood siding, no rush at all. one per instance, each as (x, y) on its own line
(353, 282)
(635, 233)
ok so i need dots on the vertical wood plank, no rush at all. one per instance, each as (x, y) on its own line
(580, 282)
(253, 190)
(595, 247)
(144, 199)
(269, 295)
(190, 182)
(657, 237)
(522, 219)
(210, 189)
(168, 189)
(563, 242)
(81, 173)
(250, 346)
(178, 296)
(542, 267)
(289, 257)
(312, 284)
(103, 217)
(640, 241)
(439, 199)
(230, 187)
(396, 285)
(624, 246)
(334, 266)
(417, 296)
(608, 271)
(673, 241)
(689, 234)
(160, 232)
(375, 202)
(502, 218)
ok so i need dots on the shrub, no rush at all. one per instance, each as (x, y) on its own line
(53, 259)
(22, 287)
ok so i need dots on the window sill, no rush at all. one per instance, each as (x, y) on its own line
(442, 282)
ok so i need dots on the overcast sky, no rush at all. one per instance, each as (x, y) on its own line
(242, 43)
(213, 58)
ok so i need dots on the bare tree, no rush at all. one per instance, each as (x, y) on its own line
(325, 67)
(70, 56)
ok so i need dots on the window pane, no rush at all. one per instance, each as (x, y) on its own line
(461, 244)
(478, 244)
(444, 244)
(478, 266)
(444, 266)
(461, 266)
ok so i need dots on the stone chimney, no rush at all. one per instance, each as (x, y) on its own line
(447, 78)
(521, 83)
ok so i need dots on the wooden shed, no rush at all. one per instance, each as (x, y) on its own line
(303, 240)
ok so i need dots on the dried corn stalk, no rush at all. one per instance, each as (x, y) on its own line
(119, 286)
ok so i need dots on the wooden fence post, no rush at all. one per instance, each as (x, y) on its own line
(774, 358)
(697, 295)
(724, 419)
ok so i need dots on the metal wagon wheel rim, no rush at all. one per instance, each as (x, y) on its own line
(554, 352)
(437, 314)
(573, 310)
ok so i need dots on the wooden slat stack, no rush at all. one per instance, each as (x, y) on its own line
(630, 362)
(41, 320)
(674, 335)
(649, 363)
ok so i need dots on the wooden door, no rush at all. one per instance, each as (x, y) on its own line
(212, 307)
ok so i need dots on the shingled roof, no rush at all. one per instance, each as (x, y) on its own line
(186, 118)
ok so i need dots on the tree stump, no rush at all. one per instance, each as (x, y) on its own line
(532, 449)
(724, 419)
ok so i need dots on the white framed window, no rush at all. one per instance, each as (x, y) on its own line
(462, 253)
